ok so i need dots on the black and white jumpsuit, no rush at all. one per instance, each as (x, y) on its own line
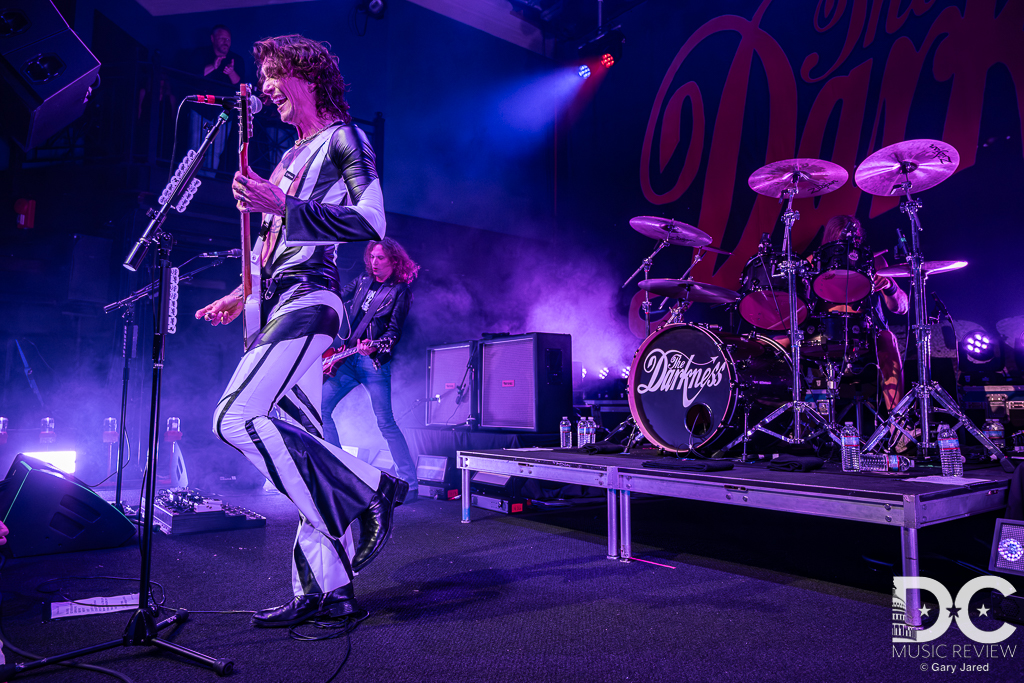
(270, 410)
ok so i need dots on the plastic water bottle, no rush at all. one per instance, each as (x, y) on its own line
(874, 462)
(565, 433)
(581, 433)
(591, 430)
(994, 431)
(949, 453)
(850, 447)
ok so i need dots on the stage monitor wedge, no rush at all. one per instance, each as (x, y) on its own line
(48, 511)
(526, 382)
(45, 71)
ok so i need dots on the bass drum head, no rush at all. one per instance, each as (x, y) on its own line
(681, 387)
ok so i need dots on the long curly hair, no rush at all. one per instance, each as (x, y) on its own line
(838, 226)
(310, 60)
(405, 269)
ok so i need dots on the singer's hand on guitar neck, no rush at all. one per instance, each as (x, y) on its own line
(222, 311)
(253, 193)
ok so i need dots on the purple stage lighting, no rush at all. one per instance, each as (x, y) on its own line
(979, 347)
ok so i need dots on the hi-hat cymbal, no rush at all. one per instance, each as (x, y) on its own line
(930, 268)
(676, 232)
(690, 290)
(812, 177)
(926, 163)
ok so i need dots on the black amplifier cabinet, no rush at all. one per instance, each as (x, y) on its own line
(526, 382)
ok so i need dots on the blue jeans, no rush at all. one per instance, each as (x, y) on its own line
(358, 369)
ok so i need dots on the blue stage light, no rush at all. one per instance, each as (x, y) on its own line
(584, 71)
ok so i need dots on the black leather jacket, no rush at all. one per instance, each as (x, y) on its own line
(394, 299)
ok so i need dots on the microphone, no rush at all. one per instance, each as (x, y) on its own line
(255, 103)
(230, 253)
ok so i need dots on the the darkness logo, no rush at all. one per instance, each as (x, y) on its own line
(673, 370)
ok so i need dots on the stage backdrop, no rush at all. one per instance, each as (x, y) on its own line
(706, 93)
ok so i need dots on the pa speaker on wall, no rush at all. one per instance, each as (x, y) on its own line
(450, 382)
(46, 71)
(48, 511)
(525, 382)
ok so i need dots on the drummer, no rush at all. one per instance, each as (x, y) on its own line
(883, 290)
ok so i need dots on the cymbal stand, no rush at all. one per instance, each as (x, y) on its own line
(798, 405)
(924, 389)
(646, 268)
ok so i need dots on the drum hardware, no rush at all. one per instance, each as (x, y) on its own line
(668, 231)
(897, 170)
(786, 180)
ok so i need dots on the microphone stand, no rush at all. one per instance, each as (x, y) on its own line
(142, 628)
(128, 306)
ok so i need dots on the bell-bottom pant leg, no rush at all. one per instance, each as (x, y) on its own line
(329, 487)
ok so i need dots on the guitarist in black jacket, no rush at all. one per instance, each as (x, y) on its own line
(377, 303)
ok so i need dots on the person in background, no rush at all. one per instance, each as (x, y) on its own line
(377, 302)
(218, 64)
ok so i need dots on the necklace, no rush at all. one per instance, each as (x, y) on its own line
(302, 141)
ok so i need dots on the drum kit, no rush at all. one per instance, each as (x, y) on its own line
(694, 388)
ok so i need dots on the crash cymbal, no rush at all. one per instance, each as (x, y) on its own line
(813, 177)
(925, 162)
(930, 268)
(676, 232)
(690, 290)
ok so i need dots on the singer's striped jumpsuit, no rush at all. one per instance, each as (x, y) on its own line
(333, 196)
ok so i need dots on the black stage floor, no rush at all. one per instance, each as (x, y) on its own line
(745, 595)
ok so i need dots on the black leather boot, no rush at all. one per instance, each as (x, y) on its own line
(338, 603)
(375, 522)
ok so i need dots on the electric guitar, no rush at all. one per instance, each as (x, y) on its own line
(250, 280)
(333, 357)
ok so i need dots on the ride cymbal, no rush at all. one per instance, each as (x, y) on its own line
(925, 163)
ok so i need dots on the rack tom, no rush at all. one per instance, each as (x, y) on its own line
(846, 270)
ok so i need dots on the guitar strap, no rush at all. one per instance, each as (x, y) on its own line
(375, 305)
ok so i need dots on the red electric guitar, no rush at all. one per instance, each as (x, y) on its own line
(333, 357)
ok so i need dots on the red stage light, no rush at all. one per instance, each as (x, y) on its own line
(607, 60)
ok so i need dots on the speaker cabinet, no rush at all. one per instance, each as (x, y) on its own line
(525, 382)
(450, 382)
(46, 71)
(48, 511)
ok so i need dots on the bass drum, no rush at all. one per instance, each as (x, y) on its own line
(689, 387)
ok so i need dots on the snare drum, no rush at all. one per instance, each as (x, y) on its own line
(689, 387)
(846, 271)
(765, 293)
